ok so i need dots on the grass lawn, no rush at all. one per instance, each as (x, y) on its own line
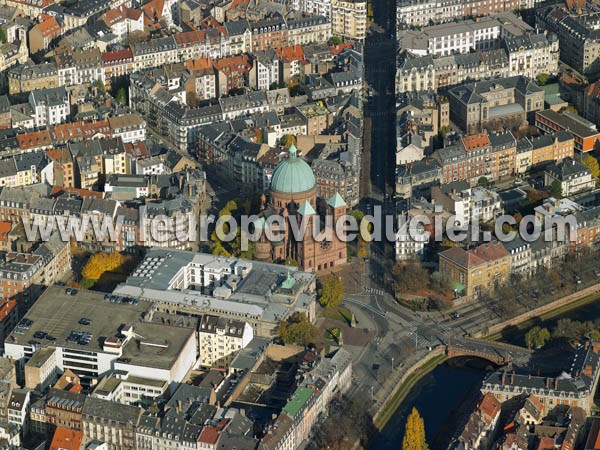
(333, 334)
(339, 313)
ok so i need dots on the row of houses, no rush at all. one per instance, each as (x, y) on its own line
(527, 55)
(489, 265)
(309, 402)
(425, 12)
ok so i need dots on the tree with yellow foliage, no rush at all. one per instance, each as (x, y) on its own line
(332, 291)
(592, 165)
(414, 432)
(100, 263)
(289, 139)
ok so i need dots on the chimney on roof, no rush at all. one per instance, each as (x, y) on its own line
(548, 383)
(503, 379)
(556, 384)
(512, 377)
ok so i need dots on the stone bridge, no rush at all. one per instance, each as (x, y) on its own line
(498, 353)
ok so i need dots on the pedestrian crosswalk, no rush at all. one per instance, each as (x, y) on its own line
(374, 291)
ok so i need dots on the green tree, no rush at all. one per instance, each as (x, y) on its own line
(542, 79)
(100, 85)
(410, 277)
(297, 330)
(332, 291)
(414, 432)
(3, 36)
(556, 189)
(594, 335)
(483, 181)
(592, 164)
(335, 40)
(537, 337)
(571, 109)
(122, 96)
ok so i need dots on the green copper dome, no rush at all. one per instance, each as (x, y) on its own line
(292, 175)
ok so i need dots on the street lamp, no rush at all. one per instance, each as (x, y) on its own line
(392, 363)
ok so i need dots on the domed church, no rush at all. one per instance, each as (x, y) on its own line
(293, 196)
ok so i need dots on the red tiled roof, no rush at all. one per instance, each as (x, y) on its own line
(113, 16)
(79, 130)
(198, 64)
(153, 10)
(60, 155)
(240, 63)
(490, 251)
(58, 190)
(489, 408)
(209, 435)
(546, 443)
(133, 14)
(66, 439)
(5, 228)
(189, 37)
(34, 139)
(476, 141)
(461, 257)
(336, 49)
(49, 27)
(485, 252)
(210, 22)
(137, 149)
(291, 53)
(117, 55)
(7, 308)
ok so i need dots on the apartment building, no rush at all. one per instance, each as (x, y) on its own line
(308, 30)
(24, 275)
(349, 18)
(529, 55)
(532, 54)
(575, 390)
(573, 176)
(468, 203)
(578, 36)
(29, 77)
(220, 339)
(423, 12)
(129, 127)
(49, 106)
(110, 422)
(463, 35)
(410, 244)
(330, 378)
(42, 34)
(478, 270)
(542, 149)
(478, 155)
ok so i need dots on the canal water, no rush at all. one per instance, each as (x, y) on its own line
(441, 396)
(447, 394)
